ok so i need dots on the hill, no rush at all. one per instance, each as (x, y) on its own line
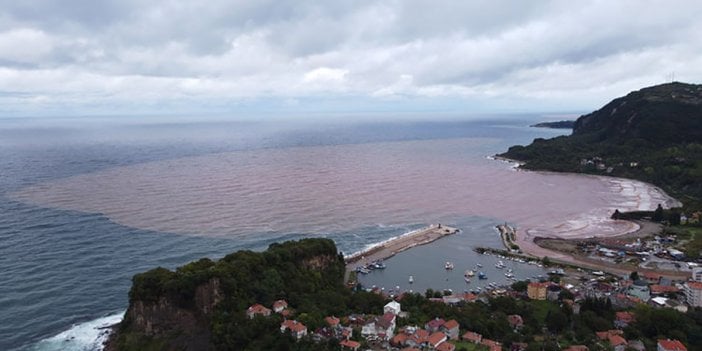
(556, 125)
(653, 134)
(202, 305)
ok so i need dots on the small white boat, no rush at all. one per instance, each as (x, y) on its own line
(448, 265)
(478, 265)
(469, 273)
(466, 279)
(411, 279)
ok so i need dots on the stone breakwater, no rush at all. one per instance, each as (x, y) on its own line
(398, 244)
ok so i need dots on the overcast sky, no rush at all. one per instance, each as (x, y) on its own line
(73, 57)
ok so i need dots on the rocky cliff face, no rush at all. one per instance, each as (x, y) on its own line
(178, 327)
(201, 306)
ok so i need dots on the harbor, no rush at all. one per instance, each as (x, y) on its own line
(374, 256)
(450, 264)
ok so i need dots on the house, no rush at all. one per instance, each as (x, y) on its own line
(693, 293)
(297, 329)
(640, 289)
(257, 310)
(604, 335)
(383, 326)
(418, 339)
(515, 321)
(400, 339)
(392, 307)
(492, 344)
(472, 337)
(651, 277)
(617, 342)
(332, 321)
(657, 289)
(446, 346)
(450, 328)
(637, 345)
(670, 345)
(623, 319)
(350, 345)
(537, 291)
(434, 324)
(436, 338)
(279, 306)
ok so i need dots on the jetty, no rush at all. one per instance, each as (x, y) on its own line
(396, 245)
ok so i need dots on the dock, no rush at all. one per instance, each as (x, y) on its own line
(394, 246)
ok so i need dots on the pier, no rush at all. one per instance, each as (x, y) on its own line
(394, 246)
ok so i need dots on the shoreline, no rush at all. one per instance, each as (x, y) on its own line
(389, 248)
(528, 242)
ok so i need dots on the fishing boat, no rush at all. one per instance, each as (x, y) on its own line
(500, 265)
(469, 273)
(466, 279)
(411, 279)
(482, 276)
(479, 265)
(509, 275)
(448, 265)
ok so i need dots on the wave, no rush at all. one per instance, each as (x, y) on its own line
(372, 246)
(88, 336)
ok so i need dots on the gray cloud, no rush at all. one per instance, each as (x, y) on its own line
(547, 54)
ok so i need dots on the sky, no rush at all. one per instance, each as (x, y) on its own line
(86, 57)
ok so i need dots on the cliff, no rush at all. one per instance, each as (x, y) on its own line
(653, 134)
(201, 306)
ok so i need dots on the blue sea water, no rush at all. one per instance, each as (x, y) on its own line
(65, 272)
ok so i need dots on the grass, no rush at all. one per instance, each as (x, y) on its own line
(468, 346)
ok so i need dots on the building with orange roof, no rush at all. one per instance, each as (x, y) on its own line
(617, 342)
(657, 289)
(279, 306)
(436, 338)
(400, 339)
(670, 345)
(451, 329)
(623, 319)
(492, 344)
(472, 337)
(257, 310)
(332, 321)
(604, 335)
(515, 321)
(297, 329)
(693, 293)
(350, 345)
(446, 346)
(434, 324)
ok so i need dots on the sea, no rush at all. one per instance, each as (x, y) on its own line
(86, 203)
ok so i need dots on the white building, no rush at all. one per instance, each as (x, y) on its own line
(693, 293)
(392, 307)
(697, 274)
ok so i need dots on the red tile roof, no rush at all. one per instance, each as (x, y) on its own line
(674, 344)
(350, 344)
(258, 309)
(472, 336)
(695, 285)
(626, 317)
(616, 340)
(435, 323)
(399, 339)
(515, 320)
(332, 321)
(437, 338)
(446, 346)
(280, 304)
(294, 326)
(451, 324)
(577, 348)
(663, 289)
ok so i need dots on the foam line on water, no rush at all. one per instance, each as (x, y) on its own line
(88, 336)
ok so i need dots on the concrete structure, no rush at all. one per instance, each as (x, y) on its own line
(693, 293)
(537, 291)
(392, 307)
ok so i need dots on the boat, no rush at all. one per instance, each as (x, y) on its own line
(362, 270)
(469, 273)
(478, 265)
(448, 265)
(509, 275)
(466, 279)
(411, 279)
(378, 265)
(500, 265)
(482, 276)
